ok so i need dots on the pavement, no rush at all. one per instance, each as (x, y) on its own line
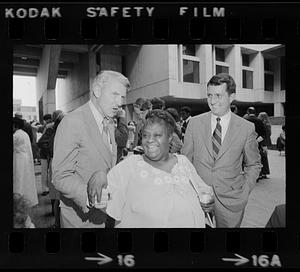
(267, 193)
(262, 200)
(42, 216)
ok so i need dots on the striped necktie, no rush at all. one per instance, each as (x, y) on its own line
(217, 139)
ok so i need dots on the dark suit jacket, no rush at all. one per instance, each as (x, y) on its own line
(277, 219)
(259, 128)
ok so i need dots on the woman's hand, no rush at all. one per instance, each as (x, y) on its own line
(207, 207)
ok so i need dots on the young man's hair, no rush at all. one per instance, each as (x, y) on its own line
(221, 78)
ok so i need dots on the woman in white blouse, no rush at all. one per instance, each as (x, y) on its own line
(157, 189)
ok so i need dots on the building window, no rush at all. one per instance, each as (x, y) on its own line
(245, 60)
(247, 79)
(220, 54)
(191, 71)
(222, 69)
(267, 65)
(269, 82)
(189, 49)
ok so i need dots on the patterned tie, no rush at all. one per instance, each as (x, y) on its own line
(105, 124)
(217, 139)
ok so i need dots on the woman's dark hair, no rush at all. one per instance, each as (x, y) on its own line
(146, 105)
(160, 117)
(186, 109)
(174, 113)
(157, 103)
(18, 123)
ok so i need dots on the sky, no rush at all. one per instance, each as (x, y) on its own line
(24, 89)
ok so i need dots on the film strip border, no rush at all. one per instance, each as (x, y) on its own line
(257, 23)
(151, 248)
(151, 23)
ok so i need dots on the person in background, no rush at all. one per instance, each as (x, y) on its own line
(24, 182)
(141, 107)
(131, 132)
(234, 108)
(263, 116)
(54, 196)
(43, 144)
(157, 189)
(176, 143)
(175, 115)
(185, 114)
(280, 143)
(261, 139)
(36, 127)
(85, 150)
(121, 133)
(158, 103)
(27, 126)
(219, 143)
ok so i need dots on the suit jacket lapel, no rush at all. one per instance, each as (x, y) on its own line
(94, 133)
(232, 131)
(206, 133)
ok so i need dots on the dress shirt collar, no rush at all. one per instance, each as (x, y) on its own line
(224, 119)
(97, 115)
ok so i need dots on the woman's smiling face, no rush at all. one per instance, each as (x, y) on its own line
(155, 141)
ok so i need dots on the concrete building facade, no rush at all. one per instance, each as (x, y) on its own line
(177, 73)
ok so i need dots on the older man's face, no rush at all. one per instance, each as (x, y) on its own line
(112, 97)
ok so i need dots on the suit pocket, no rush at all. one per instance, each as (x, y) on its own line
(238, 183)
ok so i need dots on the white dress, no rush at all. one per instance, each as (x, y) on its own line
(142, 196)
(23, 168)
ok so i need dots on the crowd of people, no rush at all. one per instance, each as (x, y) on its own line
(163, 168)
(30, 149)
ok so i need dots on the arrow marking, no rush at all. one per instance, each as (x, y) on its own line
(240, 260)
(101, 260)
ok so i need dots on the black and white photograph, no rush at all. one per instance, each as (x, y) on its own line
(149, 136)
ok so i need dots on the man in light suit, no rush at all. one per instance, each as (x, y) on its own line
(219, 143)
(85, 150)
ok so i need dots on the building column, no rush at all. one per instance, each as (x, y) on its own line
(205, 54)
(235, 64)
(259, 72)
(46, 78)
(278, 109)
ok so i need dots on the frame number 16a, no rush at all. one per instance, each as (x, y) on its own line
(265, 261)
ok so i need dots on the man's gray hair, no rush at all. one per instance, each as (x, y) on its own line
(104, 76)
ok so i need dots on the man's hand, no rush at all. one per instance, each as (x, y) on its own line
(97, 182)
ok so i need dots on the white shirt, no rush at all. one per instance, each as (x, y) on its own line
(99, 120)
(224, 122)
